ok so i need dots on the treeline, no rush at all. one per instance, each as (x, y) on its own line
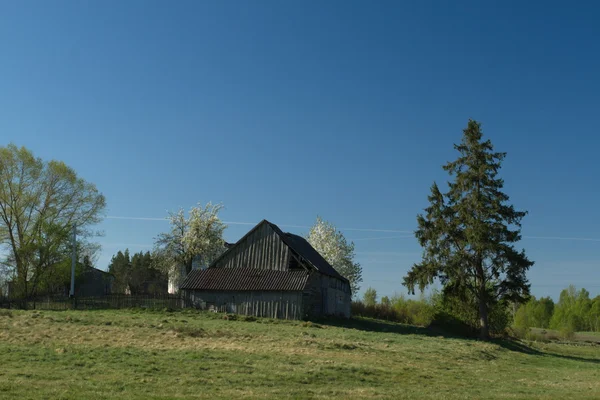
(396, 308)
(443, 310)
(575, 311)
(137, 274)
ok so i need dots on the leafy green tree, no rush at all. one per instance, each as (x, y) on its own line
(572, 312)
(370, 297)
(594, 315)
(386, 302)
(534, 314)
(468, 233)
(40, 201)
(543, 311)
(334, 248)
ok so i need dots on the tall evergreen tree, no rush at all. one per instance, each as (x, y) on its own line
(468, 233)
(137, 274)
(120, 267)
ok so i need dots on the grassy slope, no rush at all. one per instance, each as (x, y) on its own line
(591, 337)
(152, 355)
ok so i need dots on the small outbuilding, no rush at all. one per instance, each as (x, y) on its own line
(269, 273)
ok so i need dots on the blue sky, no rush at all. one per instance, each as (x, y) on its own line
(289, 110)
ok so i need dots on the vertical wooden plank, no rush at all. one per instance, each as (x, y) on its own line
(264, 262)
(260, 252)
(281, 256)
(276, 253)
(256, 246)
(253, 253)
(285, 258)
(267, 263)
(273, 252)
(259, 241)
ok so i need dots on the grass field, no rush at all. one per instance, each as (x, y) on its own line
(589, 337)
(158, 355)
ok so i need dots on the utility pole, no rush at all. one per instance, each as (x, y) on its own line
(73, 260)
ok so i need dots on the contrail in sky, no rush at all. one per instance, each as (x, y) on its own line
(254, 223)
(357, 230)
(383, 237)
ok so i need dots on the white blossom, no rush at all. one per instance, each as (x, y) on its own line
(334, 248)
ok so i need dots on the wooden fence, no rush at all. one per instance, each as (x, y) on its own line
(113, 301)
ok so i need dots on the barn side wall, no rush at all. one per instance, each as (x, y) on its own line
(262, 249)
(283, 305)
(325, 295)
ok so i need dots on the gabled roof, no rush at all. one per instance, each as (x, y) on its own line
(300, 246)
(244, 279)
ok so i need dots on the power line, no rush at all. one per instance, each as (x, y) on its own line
(356, 230)
(254, 223)
(562, 238)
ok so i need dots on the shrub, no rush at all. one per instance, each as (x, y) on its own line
(461, 315)
(537, 337)
(309, 324)
(398, 309)
(567, 332)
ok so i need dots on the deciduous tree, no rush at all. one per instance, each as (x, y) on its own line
(200, 234)
(40, 202)
(334, 248)
(370, 297)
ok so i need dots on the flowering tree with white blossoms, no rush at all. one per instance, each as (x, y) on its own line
(198, 235)
(334, 248)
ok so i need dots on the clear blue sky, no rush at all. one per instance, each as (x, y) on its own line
(286, 110)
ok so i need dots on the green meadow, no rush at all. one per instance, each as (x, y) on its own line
(137, 354)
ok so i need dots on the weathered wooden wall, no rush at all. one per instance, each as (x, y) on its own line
(325, 295)
(283, 305)
(262, 249)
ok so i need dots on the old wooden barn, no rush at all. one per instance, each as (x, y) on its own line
(269, 273)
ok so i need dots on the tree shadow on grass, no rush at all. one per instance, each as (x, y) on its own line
(520, 347)
(373, 325)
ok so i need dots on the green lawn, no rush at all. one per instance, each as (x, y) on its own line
(159, 355)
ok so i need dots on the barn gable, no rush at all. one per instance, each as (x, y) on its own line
(261, 248)
(268, 247)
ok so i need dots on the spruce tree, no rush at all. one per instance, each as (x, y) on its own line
(467, 234)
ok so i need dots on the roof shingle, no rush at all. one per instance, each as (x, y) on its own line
(244, 279)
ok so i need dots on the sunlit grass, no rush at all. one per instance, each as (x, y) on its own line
(158, 355)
